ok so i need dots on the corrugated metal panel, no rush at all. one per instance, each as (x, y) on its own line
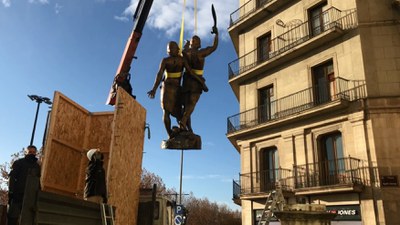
(60, 210)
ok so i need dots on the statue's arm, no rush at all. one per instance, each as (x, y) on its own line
(157, 81)
(207, 51)
(186, 48)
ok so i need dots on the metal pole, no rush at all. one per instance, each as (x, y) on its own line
(45, 129)
(34, 123)
(180, 179)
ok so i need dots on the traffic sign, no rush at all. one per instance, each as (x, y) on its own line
(178, 220)
(179, 209)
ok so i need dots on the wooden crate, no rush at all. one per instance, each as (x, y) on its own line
(119, 134)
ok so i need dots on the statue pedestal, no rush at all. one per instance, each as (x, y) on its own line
(182, 141)
(307, 214)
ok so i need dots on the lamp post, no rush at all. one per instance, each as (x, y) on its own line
(38, 100)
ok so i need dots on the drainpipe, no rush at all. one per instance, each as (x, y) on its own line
(370, 165)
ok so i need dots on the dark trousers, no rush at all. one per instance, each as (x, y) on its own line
(14, 211)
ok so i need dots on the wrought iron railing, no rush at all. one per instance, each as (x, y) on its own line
(338, 89)
(332, 18)
(246, 9)
(236, 189)
(342, 171)
(265, 181)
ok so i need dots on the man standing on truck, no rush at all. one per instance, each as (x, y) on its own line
(20, 170)
(95, 187)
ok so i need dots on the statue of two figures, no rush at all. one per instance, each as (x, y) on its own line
(182, 83)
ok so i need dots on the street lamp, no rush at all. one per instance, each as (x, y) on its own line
(38, 100)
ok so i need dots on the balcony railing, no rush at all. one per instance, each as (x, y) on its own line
(245, 10)
(265, 181)
(343, 171)
(331, 19)
(338, 89)
(236, 189)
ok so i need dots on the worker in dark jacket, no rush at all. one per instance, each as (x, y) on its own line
(20, 170)
(95, 188)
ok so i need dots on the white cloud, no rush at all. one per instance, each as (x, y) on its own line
(165, 15)
(203, 177)
(6, 3)
(57, 8)
(39, 1)
(121, 18)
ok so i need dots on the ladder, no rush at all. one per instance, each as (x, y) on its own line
(107, 214)
(275, 202)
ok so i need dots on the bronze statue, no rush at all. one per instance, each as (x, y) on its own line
(191, 89)
(180, 101)
(173, 66)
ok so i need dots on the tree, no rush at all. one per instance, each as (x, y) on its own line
(200, 211)
(4, 171)
(204, 212)
(148, 179)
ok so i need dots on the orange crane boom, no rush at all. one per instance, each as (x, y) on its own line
(122, 77)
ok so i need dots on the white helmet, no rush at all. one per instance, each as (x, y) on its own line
(91, 152)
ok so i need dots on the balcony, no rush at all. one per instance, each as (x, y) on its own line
(262, 182)
(293, 43)
(344, 174)
(251, 12)
(338, 90)
(236, 192)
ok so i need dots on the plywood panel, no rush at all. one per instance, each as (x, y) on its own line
(73, 130)
(70, 122)
(63, 169)
(126, 158)
(119, 134)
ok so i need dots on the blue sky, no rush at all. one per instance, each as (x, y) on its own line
(75, 46)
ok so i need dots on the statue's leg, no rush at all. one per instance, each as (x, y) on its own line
(190, 104)
(189, 124)
(167, 122)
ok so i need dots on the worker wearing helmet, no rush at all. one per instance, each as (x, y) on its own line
(95, 180)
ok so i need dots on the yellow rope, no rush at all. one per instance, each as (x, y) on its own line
(182, 26)
(195, 17)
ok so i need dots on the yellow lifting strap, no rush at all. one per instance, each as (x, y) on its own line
(173, 74)
(182, 26)
(195, 17)
(198, 72)
(183, 22)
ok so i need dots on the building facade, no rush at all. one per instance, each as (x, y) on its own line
(318, 86)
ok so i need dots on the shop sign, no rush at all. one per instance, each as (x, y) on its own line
(346, 212)
(389, 181)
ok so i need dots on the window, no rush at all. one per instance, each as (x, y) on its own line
(264, 47)
(316, 19)
(331, 163)
(261, 2)
(269, 166)
(323, 76)
(266, 98)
